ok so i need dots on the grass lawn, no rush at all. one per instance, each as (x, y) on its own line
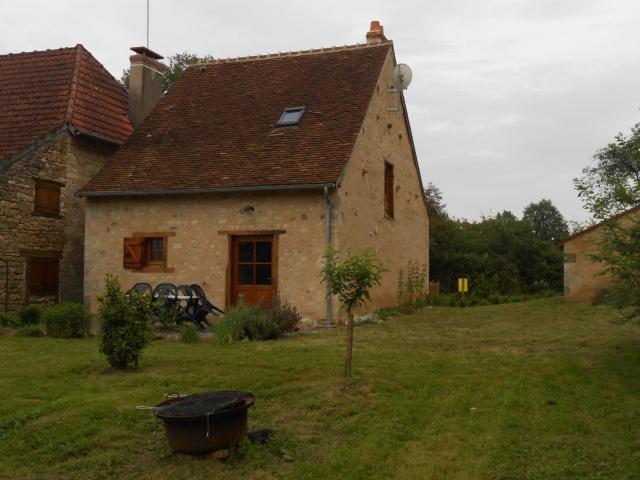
(537, 390)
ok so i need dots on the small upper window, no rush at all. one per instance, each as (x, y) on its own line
(291, 116)
(47, 198)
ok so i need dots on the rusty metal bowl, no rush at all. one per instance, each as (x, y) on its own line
(206, 430)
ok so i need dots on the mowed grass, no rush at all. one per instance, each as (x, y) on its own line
(538, 390)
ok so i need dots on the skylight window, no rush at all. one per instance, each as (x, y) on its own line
(291, 116)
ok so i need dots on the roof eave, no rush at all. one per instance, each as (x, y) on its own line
(185, 191)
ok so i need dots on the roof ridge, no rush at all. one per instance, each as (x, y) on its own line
(73, 86)
(293, 53)
(47, 50)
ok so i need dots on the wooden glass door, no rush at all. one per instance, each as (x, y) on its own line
(253, 270)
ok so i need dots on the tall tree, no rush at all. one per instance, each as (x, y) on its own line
(176, 65)
(435, 201)
(612, 185)
(547, 223)
(609, 187)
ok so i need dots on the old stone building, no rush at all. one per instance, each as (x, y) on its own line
(61, 116)
(582, 275)
(248, 168)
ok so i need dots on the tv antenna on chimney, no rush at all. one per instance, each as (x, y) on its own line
(147, 23)
(401, 79)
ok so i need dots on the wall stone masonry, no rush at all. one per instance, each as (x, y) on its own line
(583, 277)
(360, 199)
(71, 161)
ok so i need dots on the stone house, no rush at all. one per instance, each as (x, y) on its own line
(582, 276)
(248, 168)
(62, 115)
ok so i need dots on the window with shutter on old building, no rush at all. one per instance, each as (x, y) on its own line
(42, 275)
(154, 250)
(47, 198)
(388, 189)
(146, 251)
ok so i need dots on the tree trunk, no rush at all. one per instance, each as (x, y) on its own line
(347, 357)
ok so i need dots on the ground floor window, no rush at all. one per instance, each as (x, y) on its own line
(43, 275)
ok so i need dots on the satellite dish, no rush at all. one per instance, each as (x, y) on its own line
(403, 76)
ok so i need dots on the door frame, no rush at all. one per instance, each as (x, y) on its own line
(231, 235)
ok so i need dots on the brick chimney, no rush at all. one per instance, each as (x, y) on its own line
(145, 83)
(375, 34)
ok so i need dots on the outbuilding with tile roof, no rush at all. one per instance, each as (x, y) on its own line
(62, 115)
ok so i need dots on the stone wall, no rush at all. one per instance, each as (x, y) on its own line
(582, 276)
(360, 217)
(198, 253)
(70, 161)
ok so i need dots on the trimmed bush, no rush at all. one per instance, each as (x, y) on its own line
(124, 324)
(68, 320)
(8, 320)
(188, 333)
(29, 315)
(30, 331)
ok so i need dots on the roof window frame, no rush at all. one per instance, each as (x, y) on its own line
(282, 123)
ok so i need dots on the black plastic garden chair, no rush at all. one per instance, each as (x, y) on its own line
(203, 302)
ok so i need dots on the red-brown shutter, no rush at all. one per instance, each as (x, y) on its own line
(47, 198)
(133, 252)
(388, 189)
(43, 276)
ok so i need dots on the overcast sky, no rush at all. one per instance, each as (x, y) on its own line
(509, 100)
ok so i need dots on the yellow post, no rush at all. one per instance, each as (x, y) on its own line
(463, 285)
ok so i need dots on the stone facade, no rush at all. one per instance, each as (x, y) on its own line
(199, 253)
(198, 250)
(71, 161)
(384, 137)
(582, 276)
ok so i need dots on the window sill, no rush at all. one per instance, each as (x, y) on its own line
(389, 217)
(155, 269)
(48, 215)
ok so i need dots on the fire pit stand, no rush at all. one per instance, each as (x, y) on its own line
(204, 422)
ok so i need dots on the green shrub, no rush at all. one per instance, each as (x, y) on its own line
(29, 315)
(8, 320)
(68, 320)
(124, 324)
(30, 331)
(189, 334)
(254, 322)
(285, 315)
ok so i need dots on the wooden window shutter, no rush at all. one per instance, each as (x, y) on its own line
(133, 252)
(43, 275)
(388, 189)
(47, 198)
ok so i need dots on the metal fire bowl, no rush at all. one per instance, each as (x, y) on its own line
(205, 433)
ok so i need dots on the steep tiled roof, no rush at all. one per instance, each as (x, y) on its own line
(216, 127)
(40, 91)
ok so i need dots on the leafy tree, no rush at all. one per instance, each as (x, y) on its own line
(613, 184)
(351, 280)
(176, 66)
(611, 187)
(435, 201)
(546, 221)
(499, 254)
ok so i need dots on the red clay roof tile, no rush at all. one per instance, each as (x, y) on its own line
(216, 127)
(42, 90)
